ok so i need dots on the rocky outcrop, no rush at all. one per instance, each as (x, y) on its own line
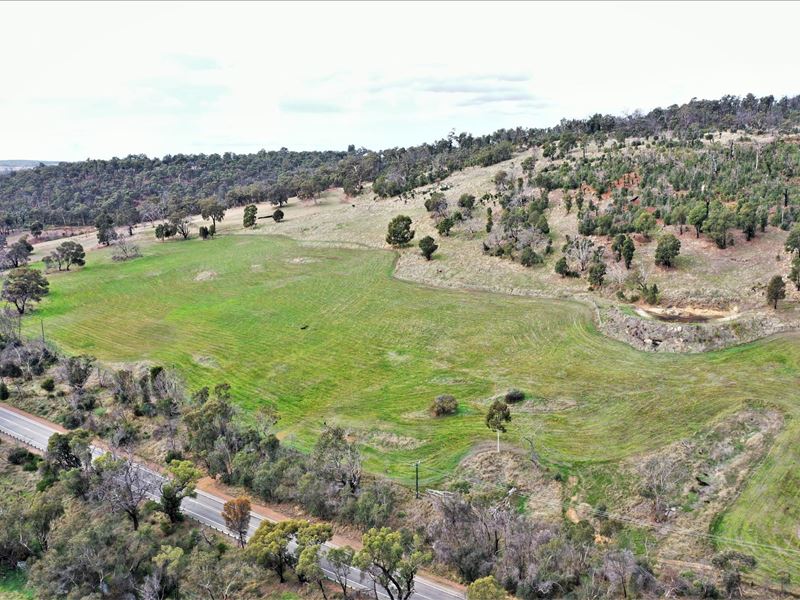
(658, 336)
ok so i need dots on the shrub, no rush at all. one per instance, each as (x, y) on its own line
(444, 405)
(32, 464)
(144, 409)
(9, 369)
(19, 455)
(124, 250)
(72, 419)
(48, 385)
(514, 395)
(375, 506)
(530, 258)
(4, 393)
(173, 455)
(466, 201)
(486, 588)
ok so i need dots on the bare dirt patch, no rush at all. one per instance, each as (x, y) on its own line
(687, 314)
(206, 361)
(546, 405)
(302, 260)
(205, 276)
(678, 334)
(385, 440)
(396, 358)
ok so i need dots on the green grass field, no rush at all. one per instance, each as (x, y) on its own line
(375, 351)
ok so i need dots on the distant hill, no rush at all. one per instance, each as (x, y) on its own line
(138, 187)
(7, 166)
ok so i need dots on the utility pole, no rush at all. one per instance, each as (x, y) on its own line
(416, 472)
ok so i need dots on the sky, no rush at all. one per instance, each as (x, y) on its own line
(97, 80)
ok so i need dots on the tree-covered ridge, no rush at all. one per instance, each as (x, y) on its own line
(141, 188)
(673, 177)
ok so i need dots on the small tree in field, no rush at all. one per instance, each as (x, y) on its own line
(792, 244)
(645, 223)
(597, 274)
(236, 513)
(628, 249)
(776, 290)
(165, 231)
(679, 217)
(428, 246)
(180, 223)
(562, 267)
(249, 219)
(105, 229)
(399, 231)
(24, 286)
(18, 253)
(277, 216)
(445, 225)
(211, 208)
(719, 220)
(499, 414)
(697, 216)
(616, 246)
(667, 250)
(65, 255)
(794, 274)
(37, 229)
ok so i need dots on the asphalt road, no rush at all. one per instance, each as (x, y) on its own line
(207, 508)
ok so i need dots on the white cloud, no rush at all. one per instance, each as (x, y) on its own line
(108, 79)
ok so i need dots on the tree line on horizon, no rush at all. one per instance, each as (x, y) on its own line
(138, 188)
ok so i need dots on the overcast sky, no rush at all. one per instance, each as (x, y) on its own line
(101, 80)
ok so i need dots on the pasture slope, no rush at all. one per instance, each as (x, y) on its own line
(327, 334)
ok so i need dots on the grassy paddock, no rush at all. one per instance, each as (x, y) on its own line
(328, 335)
